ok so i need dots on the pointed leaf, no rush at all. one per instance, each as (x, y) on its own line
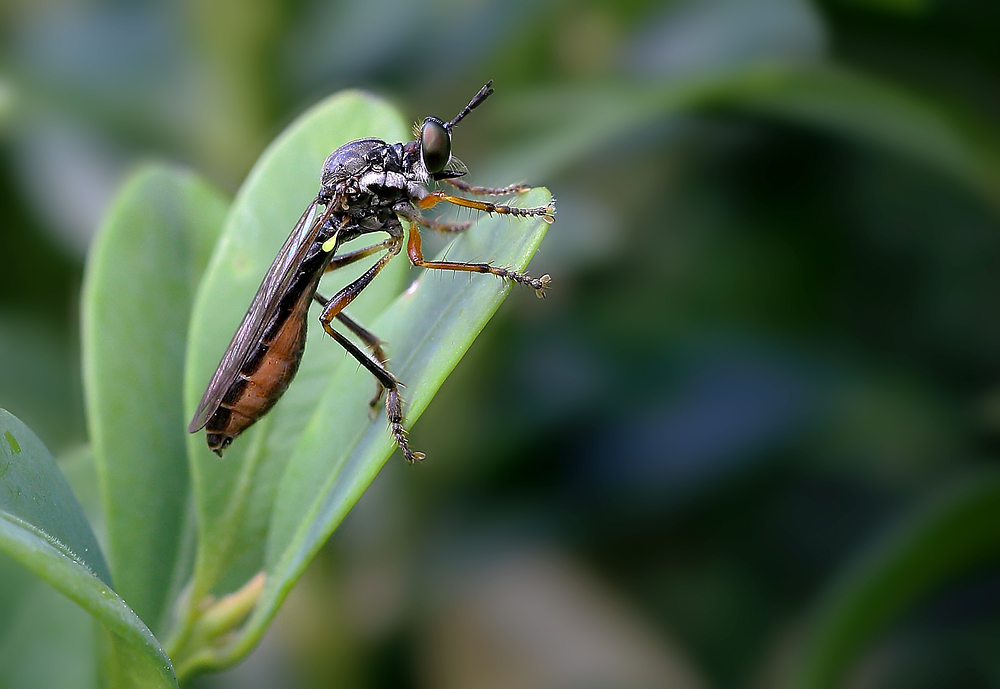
(234, 494)
(427, 330)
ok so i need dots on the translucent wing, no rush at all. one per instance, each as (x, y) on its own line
(272, 288)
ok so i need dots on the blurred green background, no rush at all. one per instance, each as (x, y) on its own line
(771, 345)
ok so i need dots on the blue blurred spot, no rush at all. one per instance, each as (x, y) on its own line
(724, 413)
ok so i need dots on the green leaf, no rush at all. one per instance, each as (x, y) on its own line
(575, 122)
(42, 526)
(943, 538)
(234, 495)
(142, 273)
(427, 330)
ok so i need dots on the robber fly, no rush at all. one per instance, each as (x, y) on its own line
(366, 186)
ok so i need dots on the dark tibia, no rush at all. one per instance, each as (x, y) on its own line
(438, 225)
(393, 402)
(518, 188)
(370, 339)
(347, 259)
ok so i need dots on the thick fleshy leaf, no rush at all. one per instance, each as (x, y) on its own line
(234, 494)
(142, 273)
(43, 527)
(427, 330)
(943, 539)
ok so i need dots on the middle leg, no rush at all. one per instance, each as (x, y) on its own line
(393, 402)
(347, 259)
(370, 339)
(333, 308)
(517, 188)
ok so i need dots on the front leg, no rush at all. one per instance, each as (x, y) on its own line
(546, 213)
(517, 188)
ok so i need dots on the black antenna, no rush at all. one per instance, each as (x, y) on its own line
(484, 93)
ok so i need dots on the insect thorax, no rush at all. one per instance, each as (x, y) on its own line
(369, 173)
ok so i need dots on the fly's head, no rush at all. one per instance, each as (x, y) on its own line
(430, 154)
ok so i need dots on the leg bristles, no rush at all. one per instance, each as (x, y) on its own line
(394, 410)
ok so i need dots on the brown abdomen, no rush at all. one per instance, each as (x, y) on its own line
(263, 379)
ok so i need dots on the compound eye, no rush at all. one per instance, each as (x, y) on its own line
(435, 145)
